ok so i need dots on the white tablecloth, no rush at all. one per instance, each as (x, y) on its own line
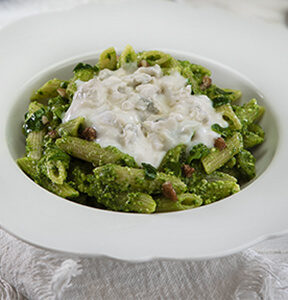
(260, 272)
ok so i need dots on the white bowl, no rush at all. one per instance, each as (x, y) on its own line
(239, 55)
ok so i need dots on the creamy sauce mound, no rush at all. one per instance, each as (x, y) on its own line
(144, 113)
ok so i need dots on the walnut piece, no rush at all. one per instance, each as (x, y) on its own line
(143, 63)
(168, 191)
(220, 143)
(206, 82)
(52, 134)
(89, 134)
(188, 171)
(61, 92)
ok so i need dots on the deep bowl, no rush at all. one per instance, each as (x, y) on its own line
(246, 55)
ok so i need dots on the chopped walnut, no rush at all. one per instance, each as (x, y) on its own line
(143, 63)
(44, 120)
(220, 143)
(52, 134)
(89, 134)
(188, 171)
(206, 82)
(168, 191)
(61, 92)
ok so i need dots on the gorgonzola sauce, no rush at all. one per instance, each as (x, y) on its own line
(144, 113)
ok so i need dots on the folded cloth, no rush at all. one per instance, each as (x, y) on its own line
(40, 274)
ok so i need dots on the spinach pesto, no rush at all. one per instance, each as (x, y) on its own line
(140, 132)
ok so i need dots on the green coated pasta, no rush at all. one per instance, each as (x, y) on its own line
(128, 58)
(48, 90)
(133, 179)
(173, 159)
(160, 58)
(129, 202)
(108, 59)
(34, 144)
(29, 166)
(185, 201)
(93, 152)
(228, 112)
(71, 128)
(65, 152)
(248, 112)
(54, 163)
(217, 158)
(251, 139)
(217, 190)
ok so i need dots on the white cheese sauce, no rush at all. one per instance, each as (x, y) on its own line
(144, 113)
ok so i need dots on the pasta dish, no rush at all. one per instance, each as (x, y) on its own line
(140, 132)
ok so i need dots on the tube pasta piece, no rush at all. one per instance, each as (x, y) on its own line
(33, 107)
(29, 166)
(135, 202)
(35, 129)
(198, 76)
(173, 160)
(217, 190)
(71, 127)
(84, 72)
(217, 158)
(154, 57)
(233, 94)
(48, 90)
(56, 171)
(185, 201)
(94, 153)
(63, 190)
(56, 108)
(108, 59)
(34, 142)
(254, 135)
(251, 139)
(54, 164)
(132, 179)
(110, 195)
(187, 73)
(248, 112)
(213, 187)
(228, 112)
(128, 58)
(220, 176)
(200, 72)
(257, 129)
(129, 202)
(36, 118)
(221, 96)
(261, 112)
(246, 165)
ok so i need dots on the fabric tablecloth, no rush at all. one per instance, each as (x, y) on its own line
(40, 274)
(28, 272)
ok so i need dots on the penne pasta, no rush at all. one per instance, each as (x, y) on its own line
(140, 132)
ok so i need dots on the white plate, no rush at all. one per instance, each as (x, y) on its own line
(241, 53)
